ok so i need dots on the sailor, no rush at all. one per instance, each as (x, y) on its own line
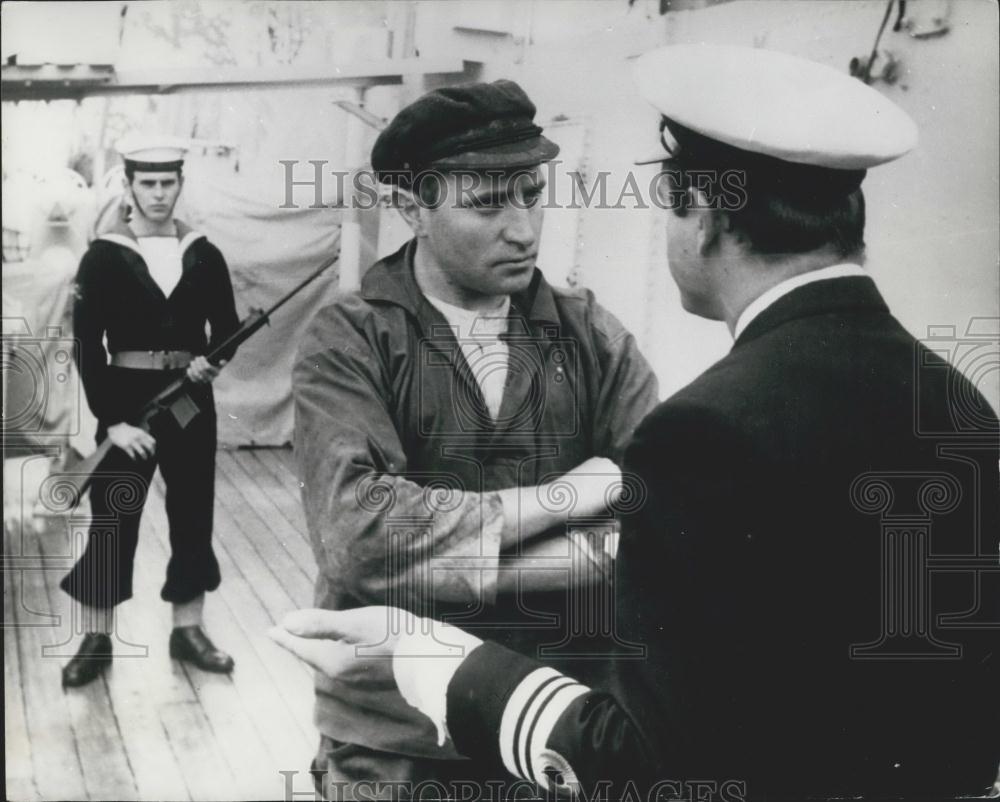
(147, 289)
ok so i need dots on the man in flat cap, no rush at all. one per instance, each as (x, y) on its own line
(452, 414)
(797, 643)
(147, 289)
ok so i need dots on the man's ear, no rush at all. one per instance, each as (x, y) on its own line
(711, 224)
(409, 209)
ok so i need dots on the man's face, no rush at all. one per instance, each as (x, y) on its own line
(155, 194)
(484, 233)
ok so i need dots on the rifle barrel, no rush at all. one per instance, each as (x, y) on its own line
(81, 473)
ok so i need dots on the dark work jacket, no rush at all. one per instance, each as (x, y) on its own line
(117, 298)
(814, 574)
(388, 418)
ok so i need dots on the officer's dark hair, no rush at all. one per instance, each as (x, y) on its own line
(774, 223)
(776, 220)
(779, 206)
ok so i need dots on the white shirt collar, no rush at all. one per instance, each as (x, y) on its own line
(765, 300)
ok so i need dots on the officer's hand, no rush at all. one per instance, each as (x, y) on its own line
(201, 371)
(136, 442)
(337, 642)
(386, 645)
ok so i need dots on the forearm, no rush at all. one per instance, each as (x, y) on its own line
(526, 515)
(505, 709)
(555, 562)
(456, 545)
(585, 491)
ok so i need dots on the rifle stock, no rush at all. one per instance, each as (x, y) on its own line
(78, 475)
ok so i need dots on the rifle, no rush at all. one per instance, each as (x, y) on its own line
(174, 399)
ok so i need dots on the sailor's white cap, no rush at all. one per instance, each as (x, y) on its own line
(151, 153)
(773, 104)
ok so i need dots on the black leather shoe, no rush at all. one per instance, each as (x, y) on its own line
(93, 656)
(192, 644)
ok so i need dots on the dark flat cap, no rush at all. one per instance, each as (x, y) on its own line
(475, 127)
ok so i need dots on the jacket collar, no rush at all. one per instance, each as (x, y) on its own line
(121, 234)
(849, 294)
(391, 280)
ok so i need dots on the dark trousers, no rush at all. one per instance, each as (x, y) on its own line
(102, 577)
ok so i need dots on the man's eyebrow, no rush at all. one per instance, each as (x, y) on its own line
(489, 193)
(496, 194)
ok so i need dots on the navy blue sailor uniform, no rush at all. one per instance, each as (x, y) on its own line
(118, 299)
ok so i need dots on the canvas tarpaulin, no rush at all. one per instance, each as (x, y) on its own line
(269, 250)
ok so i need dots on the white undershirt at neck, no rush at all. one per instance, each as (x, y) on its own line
(763, 301)
(163, 258)
(478, 334)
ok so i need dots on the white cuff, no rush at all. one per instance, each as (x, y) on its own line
(423, 663)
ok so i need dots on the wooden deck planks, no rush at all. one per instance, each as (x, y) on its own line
(276, 506)
(154, 728)
(275, 687)
(17, 747)
(47, 714)
(262, 528)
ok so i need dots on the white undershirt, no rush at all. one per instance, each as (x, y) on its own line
(478, 334)
(762, 302)
(163, 258)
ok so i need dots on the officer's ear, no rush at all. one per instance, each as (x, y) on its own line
(711, 222)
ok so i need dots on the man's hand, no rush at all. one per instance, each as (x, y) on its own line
(598, 484)
(335, 642)
(201, 371)
(423, 655)
(136, 442)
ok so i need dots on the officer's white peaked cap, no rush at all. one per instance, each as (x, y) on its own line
(773, 104)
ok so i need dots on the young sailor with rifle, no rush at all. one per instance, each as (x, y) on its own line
(147, 289)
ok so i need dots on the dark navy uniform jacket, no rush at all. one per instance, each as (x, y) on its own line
(814, 576)
(117, 298)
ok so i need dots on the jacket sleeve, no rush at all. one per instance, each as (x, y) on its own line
(627, 389)
(223, 319)
(356, 482)
(542, 726)
(89, 325)
(507, 710)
